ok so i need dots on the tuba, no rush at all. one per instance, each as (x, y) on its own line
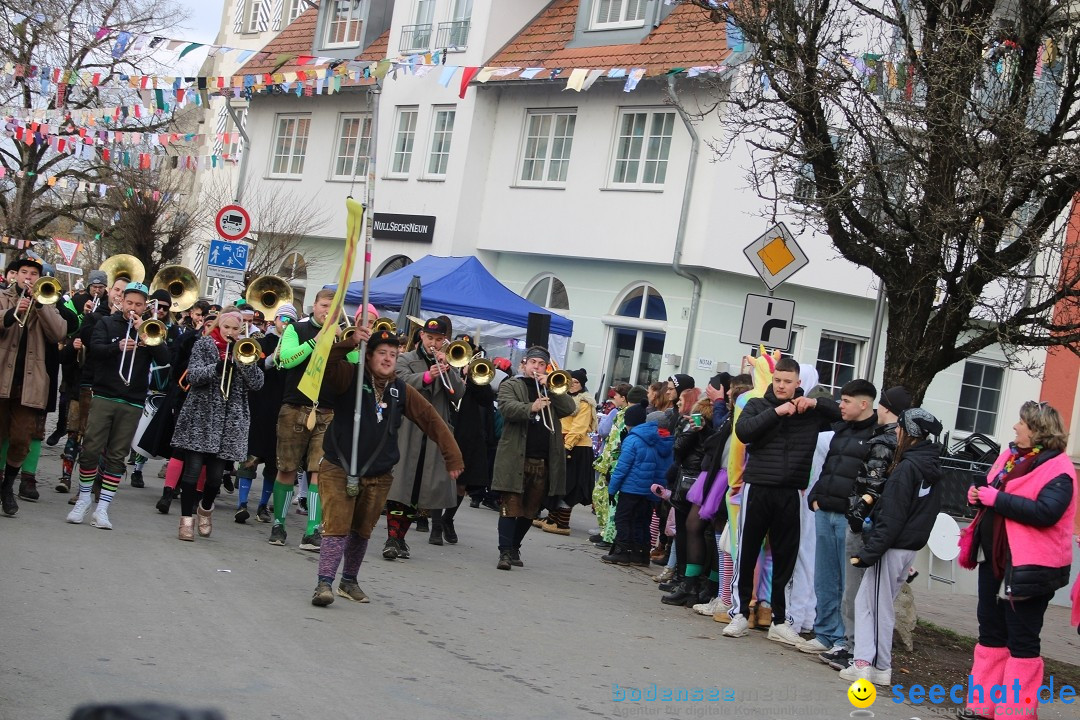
(127, 267)
(181, 283)
(267, 294)
(386, 324)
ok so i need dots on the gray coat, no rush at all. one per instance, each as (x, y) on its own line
(209, 423)
(437, 490)
(514, 406)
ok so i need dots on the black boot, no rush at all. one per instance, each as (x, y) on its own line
(671, 584)
(422, 524)
(709, 590)
(436, 537)
(7, 491)
(686, 594)
(448, 531)
(620, 555)
(165, 501)
(641, 557)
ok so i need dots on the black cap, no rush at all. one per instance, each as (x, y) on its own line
(436, 326)
(24, 262)
(383, 337)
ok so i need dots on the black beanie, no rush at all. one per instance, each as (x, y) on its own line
(635, 415)
(896, 400)
(637, 394)
(682, 383)
(721, 380)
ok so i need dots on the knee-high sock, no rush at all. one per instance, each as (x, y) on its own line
(3, 453)
(283, 495)
(87, 476)
(243, 490)
(508, 533)
(355, 549)
(522, 527)
(301, 484)
(314, 508)
(173, 470)
(330, 552)
(397, 520)
(269, 478)
(654, 528)
(109, 485)
(30, 464)
(727, 569)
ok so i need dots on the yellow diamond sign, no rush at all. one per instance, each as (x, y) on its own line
(775, 256)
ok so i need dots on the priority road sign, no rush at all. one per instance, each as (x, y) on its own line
(232, 222)
(767, 321)
(776, 256)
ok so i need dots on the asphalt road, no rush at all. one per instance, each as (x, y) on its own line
(92, 615)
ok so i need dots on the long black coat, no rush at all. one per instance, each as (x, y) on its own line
(265, 406)
(475, 435)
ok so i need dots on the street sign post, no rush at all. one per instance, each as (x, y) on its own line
(227, 260)
(232, 222)
(776, 256)
(767, 321)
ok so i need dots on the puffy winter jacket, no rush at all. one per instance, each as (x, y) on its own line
(780, 449)
(847, 451)
(644, 457)
(871, 479)
(689, 447)
(904, 515)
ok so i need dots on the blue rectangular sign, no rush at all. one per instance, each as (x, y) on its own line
(225, 254)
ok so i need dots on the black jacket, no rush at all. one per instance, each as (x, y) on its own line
(105, 349)
(781, 449)
(905, 514)
(689, 448)
(847, 452)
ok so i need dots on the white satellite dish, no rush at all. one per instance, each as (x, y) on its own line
(944, 539)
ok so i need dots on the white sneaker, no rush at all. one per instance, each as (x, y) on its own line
(869, 673)
(101, 517)
(78, 513)
(738, 627)
(783, 633)
(812, 645)
(710, 607)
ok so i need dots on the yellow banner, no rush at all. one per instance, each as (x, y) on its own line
(316, 367)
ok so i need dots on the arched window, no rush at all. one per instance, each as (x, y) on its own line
(293, 267)
(548, 291)
(636, 339)
(392, 264)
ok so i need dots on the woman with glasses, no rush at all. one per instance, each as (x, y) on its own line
(1021, 541)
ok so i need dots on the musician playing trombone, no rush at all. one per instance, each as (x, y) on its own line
(24, 383)
(421, 480)
(121, 378)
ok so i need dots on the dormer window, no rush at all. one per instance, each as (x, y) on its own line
(343, 23)
(614, 14)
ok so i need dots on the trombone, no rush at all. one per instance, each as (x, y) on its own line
(151, 333)
(46, 291)
(243, 352)
(558, 383)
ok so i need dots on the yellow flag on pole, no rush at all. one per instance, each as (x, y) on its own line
(316, 367)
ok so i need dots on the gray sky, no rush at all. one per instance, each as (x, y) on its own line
(203, 21)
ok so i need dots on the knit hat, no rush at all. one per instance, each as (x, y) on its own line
(581, 376)
(919, 423)
(896, 399)
(721, 380)
(634, 415)
(682, 383)
(371, 310)
(287, 310)
(637, 395)
(162, 296)
(656, 416)
(96, 277)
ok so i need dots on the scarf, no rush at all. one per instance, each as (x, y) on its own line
(221, 342)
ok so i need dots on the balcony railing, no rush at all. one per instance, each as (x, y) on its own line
(415, 37)
(453, 35)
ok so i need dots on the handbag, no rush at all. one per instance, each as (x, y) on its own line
(968, 542)
(724, 543)
(682, 488)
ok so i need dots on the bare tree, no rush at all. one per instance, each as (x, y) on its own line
(935, 142)
(76, 36)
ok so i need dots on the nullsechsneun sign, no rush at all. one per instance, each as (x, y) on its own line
(409, 228)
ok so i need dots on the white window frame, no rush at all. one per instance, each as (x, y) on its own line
(294, 10)
(542, 147)
(404, 143)
(425, 18)
(624, 8)
(549, 279)
(997, 410)
(252, 24)
(351, 23)
(860, 348)
(358, 142)
(639, 150)
(439, 157)
(297, 149)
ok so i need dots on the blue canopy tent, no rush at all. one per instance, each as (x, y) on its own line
(463, 289)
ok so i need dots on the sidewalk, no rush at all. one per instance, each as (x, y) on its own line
(957, 613)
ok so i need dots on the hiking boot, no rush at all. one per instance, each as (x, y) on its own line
(277, 535)
(619, 555)
(640, 558)
(311, 542)
(505, 561)
(448, 531)
(515, 558)
(163, 504)
(28, 488)
(350, 589)
(390, 549)
(241, 515)
(100, 518)
(324, 594)
(664, 576)
(136, 479)
(685, 594)
(262, 514)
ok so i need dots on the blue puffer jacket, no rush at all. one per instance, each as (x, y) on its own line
(644, 458)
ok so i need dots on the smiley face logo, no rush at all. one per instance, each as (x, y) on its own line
(862, 693)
